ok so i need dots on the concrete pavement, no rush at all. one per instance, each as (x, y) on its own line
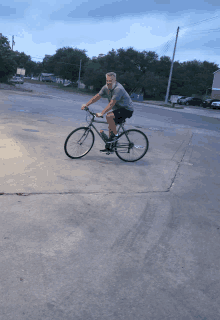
(99, 238)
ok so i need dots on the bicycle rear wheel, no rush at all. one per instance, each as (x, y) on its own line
(132, 145)
(79, 142)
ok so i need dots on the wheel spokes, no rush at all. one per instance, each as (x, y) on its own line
(132, 145)
(79, 143)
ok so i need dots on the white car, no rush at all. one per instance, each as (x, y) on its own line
(67, 83)
(215, 105)
(17, 80)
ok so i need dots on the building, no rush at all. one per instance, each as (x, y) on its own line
(136, 97)
(48, 77)
(81, 85)
(216, 85)
(59, 80)
(137, 94)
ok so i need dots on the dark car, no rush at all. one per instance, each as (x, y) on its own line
(182, 97)
(207, 103)
(191, 101)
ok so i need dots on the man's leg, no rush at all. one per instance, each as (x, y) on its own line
(111, 123)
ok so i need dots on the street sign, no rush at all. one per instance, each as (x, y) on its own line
(21, 71)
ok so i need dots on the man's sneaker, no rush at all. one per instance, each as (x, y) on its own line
(107, 148)
(113, 138)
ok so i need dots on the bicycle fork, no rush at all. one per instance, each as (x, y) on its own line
(85, 135)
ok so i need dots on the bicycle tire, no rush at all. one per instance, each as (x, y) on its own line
(67, 144)
(120, 144)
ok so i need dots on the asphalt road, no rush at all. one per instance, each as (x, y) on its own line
(57, 103)
(99, 238)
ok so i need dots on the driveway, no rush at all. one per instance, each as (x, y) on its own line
(99, 238)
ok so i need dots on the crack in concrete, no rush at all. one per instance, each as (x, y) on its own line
(107, 192)
(77, 192)
(173, 179)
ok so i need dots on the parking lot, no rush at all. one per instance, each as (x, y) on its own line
(99, 238)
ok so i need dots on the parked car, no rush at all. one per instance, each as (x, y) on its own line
(181, 97)
(190, 101)
(207, 103)
(17, 80)
(47, 80)
(33, 78)
(215, 105)
(68, 84)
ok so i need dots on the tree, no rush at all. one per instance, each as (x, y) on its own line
(23, 61)
(94, 74)
(163, 66)
(65, 63)
(7, 64)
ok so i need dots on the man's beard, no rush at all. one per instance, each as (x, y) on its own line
(113, 84)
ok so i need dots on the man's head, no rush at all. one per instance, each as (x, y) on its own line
(111, 80)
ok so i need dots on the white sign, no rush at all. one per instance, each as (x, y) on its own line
(174, 99)
(21, 71)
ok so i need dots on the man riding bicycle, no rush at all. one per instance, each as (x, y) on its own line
(120, 103)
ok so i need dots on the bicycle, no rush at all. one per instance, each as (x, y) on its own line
(83, 137)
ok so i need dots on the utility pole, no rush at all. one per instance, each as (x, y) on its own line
(171, 69)
(12, 42)
(79, 74)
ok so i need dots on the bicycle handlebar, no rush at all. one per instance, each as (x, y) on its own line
(92, 113)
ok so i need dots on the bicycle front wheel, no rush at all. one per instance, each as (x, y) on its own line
(79, 142)
(132, 145)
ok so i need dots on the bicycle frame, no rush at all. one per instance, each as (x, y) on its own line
(120, 126)
(119, 145)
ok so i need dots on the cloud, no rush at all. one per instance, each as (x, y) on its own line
(98, 26)
(13, 9)
(105, 9)
(6, 11)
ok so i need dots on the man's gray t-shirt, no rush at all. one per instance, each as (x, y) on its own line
(118, 93)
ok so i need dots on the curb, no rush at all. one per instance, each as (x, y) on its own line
(16, 89)
(32, 93)
(174, 106)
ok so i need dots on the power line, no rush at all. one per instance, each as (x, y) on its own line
(167, 46)
(206, 31)
(199, 22)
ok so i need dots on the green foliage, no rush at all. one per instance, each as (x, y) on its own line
(7, 63)
(24, 61)
(94, 74)
(65, 63)
(143, 71)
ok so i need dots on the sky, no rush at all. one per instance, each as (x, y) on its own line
(98, 26)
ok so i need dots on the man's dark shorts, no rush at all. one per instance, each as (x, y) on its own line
(121, 114)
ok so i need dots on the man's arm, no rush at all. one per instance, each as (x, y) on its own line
(109, 106)
(93, 100)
